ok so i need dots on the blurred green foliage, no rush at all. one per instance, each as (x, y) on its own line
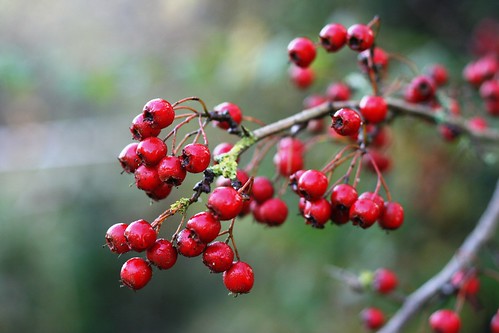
(74, 74)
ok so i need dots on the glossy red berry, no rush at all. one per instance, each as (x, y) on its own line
(312, 184)
(360, 37)
(262, 189)
(189, 244)
(136, 273)
(385, 281)
(378, 200)
(146, 178)
(445, 321)
(171, 171)
(317, 212)
(379, 61)
(343, 197)
(151, 150)
(392, 217)
(301, 51)
(466, 282)
(373, 109)
(333, 37)
(142, 129)
(239, 278)
(162, 254)
(288, 162)
(115, 238)
(364, 212)
(225, 202)
(420, 89)
(205, 225)
(218, 257)
(302, 77)
(161, 192)
(196, 157)
(159, 113)
(338, 91)
(494, 323)
(129, 159)
(220, 149)
(140, 235)
(439, 74)
(346, 122)
(372, 318)
(273, 212)
(230, 109)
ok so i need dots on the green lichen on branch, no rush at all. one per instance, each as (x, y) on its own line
(180, 206)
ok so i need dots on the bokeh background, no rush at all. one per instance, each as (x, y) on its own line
(74, 73)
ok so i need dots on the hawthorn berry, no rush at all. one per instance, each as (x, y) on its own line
(372, 318)
(239, 278)
(478, 124)
(171, 171)
(291, 144)
(445, 321)
(466, 282)
(343, 197)
(360, 37)
(312, 184)
(135, 273)
(333, 37)
(317, 212)
(162, 254)
(142, 129)
(159, 113)
(129, 159)
(225, 202)
(373, 109)
(115, 238)
(392, 217)
(221, 148)
(378, 199)
(241, 179)
(379, 60)
(346, 122)
(151, 150)
(140, 235)
(288, 162)
(439, 74)
(262, 189)
(231, 110)
(494, 323)
(205, 225)
(374, 157)
(218, 256)
(420, 89)
(364, 212)
(338, 91)
(301, 51)
(273, 212)
(146, 178)
(448, 132)
(384, 281)
(195, 157)
(302, 77)
(160, 192)
(188, 243)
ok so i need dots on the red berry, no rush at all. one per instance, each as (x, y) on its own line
(162, 254)
(196, 157)
(360, 37)
(146, 178)
(142, 129)
(439, 74)
(161, 192)
(239, 278)
(128, 158)
(373, 318)
(288, 162)
(241, 177)
(151, 150)
(262, 189)
(343, 197)
(189, 244)
(492, 107)
(302, 77)
(140, 235)
(205, 225)
(340, 216)
(445, 321)
(220, 149)
(494, 323)
(159, 113)
(373, 109)
(378, 200)
(135, 273)
(382, 161)
(338, 91)
(333, 37)
(115, 238)
(293, 180)
(291, 144)
(490, 90)
(477, 124)
(448, 132)
(385, 281)
(466, 282)
(255, 211)
(301, 51)
(225, 202)
(392, 217)
(218, 257)
(312, 184)
(273, 212)
(364, 212)
(481, 70)
(346, 122)
(379, 60)
(230, 109)
(420, 89)
(317, 212)
(170, 170)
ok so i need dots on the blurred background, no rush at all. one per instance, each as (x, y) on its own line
(73, 74)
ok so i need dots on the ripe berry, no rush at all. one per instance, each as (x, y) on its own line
(205, 225)
(466, 282)
(151, 150)
(384, 281)
(302, 77)
(445, 321)
(333, 37)
(439, 74)
(142, 129)
(159, 113)
(494, 323)
(241, 179)
(490, 90)
(262, 189)
(146, 178)
(378, 200)
(220, 149)
(379, 60)
(317, 212)
(343, 197)
(420, 89)
(230, 109)
(135, 273)
(288, 162)
(301, 51)
(128, 158)
(392, 217)
(373, 108)
(239, 278)
(346, 122)
(189, 244)
(273, 212)
(448, 132)
(360, 37)
(382, 161)
(162, 254)
(160, 192)
(140, 235)
(195, 157)
(338, 91)
(477, 124)
(291, 144)
(312, 184)
(218, 257)
(170, 170)
(225, 202)
(364, 212)
(115, 238)
(481, 70)
(372, 318)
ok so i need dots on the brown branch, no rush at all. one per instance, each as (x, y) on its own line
(482, 232)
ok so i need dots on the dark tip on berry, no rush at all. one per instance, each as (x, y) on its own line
(337, 123)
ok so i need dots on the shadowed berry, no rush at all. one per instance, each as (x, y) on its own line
(189, 244)
(225, 202)
(129, 159)
(115, 238)
(171, 171)
(162, 254)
